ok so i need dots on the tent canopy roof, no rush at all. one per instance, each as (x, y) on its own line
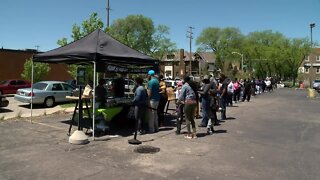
(96, 46)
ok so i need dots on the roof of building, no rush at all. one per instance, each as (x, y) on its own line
(208, 57)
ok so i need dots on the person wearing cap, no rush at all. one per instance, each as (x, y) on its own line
(205, 104)
(154, 98)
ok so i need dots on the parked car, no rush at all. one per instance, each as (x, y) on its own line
(3, 101)
(72, 82)
(129, 85)
(171, 83)
(12, 85)
(45, 92)
(316, 85)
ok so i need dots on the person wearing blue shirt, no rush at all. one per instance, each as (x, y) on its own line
(140, 103)
(154, 97)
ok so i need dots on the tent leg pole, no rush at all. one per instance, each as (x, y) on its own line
(31, 104)
(94, 99)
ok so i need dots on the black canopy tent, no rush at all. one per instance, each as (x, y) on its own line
(96, 48)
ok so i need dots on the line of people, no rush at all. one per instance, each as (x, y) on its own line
(213, 94)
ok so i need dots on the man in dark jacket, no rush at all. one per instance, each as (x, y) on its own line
(223, 96)
(247, 90)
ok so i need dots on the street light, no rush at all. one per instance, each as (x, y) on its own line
(241, 59)
(312, 25)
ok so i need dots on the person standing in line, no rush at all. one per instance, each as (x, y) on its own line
(268, 85)
(163, 100)
(263, 85)
(179, 108)
(101, 94)
(189, 97)
(205, 101)
(236, 89)
(140, 102)
(213, 107)
(214, 102)
(230, 92)
(154, 97)
(247, 90)
(223, 96)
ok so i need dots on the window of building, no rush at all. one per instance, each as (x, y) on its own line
(170, 56)
(306, 70)
(318, 58)
(307, 58)
(318, 70)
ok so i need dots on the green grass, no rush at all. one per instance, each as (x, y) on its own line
(68, 105)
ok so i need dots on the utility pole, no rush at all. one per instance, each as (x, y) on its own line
(37, 46)
(312, 25)
(190, 46)
(108, 13)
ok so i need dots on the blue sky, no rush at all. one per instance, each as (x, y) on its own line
(26, 24)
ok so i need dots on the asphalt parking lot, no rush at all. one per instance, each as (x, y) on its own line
(274, 136)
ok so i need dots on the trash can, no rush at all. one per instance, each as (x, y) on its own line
(311, 93)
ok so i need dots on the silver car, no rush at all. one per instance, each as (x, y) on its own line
(45, 92)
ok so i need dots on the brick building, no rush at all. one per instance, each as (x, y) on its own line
(310, 67)
(12, 65)
(177, 64)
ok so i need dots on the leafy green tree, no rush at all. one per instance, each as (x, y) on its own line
(135, 31)
(162, 45)
(139, 32)
(88, 26)
(40, 70)
(221, 41)
(296, 51)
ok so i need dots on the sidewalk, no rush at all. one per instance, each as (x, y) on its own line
(17, 110)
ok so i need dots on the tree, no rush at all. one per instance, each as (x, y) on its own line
(161, 43)
(296, 51)
(138, 32)
(135, 31)
(88, 26)
(39, 72)
(220, 41)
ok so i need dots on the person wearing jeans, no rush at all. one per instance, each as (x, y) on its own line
(140, 104)
(189, 97)
(205, 101)
(154, 97)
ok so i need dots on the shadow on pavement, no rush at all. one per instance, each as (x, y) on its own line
(5, 110)
(230, 118)
(35, 106)
(220, 131)
(165, 128)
